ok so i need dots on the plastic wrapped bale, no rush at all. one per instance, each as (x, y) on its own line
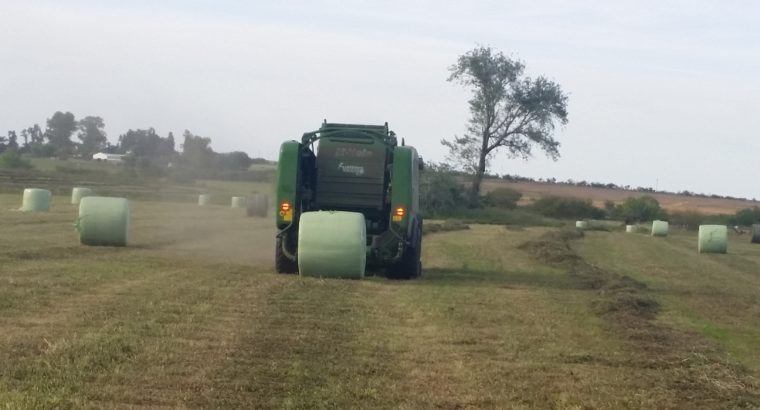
(204, 199)
(332, 244)
(257, 205)
(659, 228)
(755, 233)
(237, 202)
(581, 224)
(77, 193)
(630, 229)
(713, 239)
(36, 200)
(103, 221)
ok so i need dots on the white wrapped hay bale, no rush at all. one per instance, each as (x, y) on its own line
(712, 239)
(204, 199)
(581, 224)
(630, 229)
(755, 233)
(103, 221)
(660, 228)
(77, 193)
(257, 205)
(36, 200)
(332, 244)
(237, 202)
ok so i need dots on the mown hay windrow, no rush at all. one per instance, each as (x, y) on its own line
(712, 239)
(660, 228)
(77, 193)
(103, 221)
(446, 226)
(237, 202)
(755, 233)
(332, 244)
(36, 200)
(204, 199)
(257, 205)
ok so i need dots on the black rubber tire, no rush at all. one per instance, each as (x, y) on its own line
(281, 262)
(410, 266)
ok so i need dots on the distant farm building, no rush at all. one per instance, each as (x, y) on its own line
(102, 156)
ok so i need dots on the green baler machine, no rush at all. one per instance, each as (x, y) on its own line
(348, 203)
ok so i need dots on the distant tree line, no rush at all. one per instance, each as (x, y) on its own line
(145, 151)
(443, 194)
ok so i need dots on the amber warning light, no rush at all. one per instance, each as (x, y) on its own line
(285, 207)
(398, 213)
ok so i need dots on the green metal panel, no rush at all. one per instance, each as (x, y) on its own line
(351, 173)
(288, 167)
(404, 183)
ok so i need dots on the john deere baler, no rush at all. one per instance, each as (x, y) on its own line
(348, 203)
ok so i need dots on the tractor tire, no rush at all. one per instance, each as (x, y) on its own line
(410, 266)
(281, 262)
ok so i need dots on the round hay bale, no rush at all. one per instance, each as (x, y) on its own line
(630, 229)
(659, 228)
(103, 221)
(237, 202)
(712, 239)
(204, 199)
(36, 200)
(332, 244)
(581, 224)
(77, 193)
(755, 233)
(257, 205)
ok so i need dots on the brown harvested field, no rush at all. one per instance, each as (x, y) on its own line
(671, 202)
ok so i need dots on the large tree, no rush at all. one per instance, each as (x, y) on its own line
(196, 150)
(510, 112)
(59, 129)
(92, 134)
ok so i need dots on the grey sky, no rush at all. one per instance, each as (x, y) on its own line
(657, 91)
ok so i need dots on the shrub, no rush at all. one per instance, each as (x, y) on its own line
(505, 198)
(440, 191)
(746, 216)
(11, 159)
(643, 208)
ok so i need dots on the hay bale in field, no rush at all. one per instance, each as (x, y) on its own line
(103, 221)
(581, 224)
(36, 200)
(77, 193)
(712, 239)
(332, 244)
(257, 205)
(204, 199)
(237, 202)
(630, 229)
(755, 233)
(659, 228)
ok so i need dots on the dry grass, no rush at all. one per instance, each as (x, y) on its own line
(192, 315)
(671, 202)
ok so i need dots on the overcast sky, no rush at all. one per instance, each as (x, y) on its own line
(664, 95)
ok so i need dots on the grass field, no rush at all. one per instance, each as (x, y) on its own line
(192, 315)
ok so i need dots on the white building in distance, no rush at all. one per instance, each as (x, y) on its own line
(102, 156)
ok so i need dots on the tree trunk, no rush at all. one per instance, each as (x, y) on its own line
(479, 172)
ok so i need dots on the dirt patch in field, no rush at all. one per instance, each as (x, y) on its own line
(689, 363)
